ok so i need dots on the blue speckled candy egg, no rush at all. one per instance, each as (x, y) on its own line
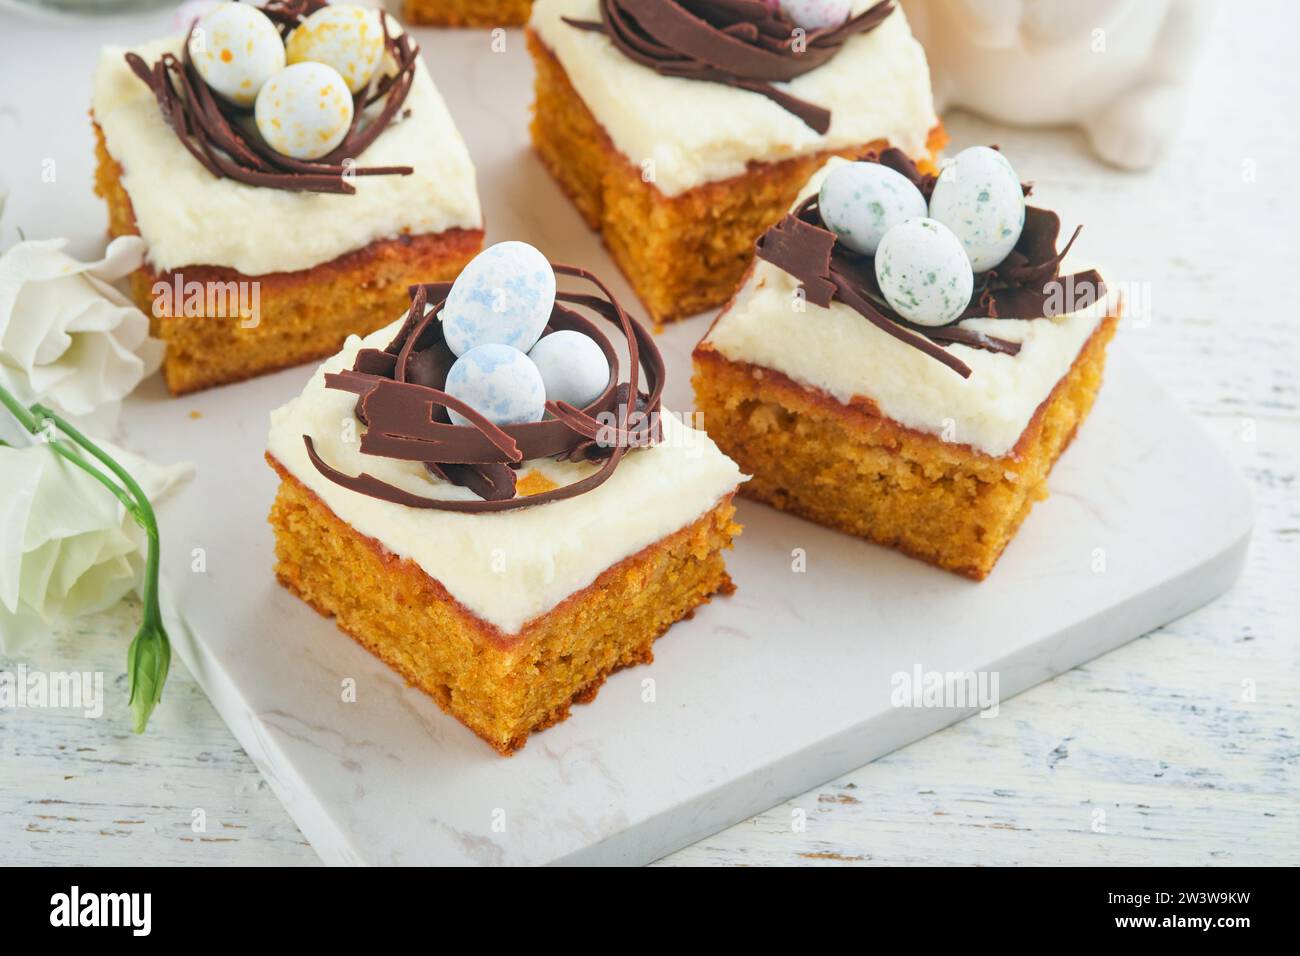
(573, 367)
(504, 297)
(499, 382)
(860, 202)
(923, 272)
(236, 49)
(816, 14)
(978, 197)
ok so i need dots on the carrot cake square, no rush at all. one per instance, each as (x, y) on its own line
(503, 517)
(682, 130)
(900, 379)
(265, 250)
(467, 13)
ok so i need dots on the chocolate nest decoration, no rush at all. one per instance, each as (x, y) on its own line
(217, 133)
(742, 43)
(1023, 286)
(404, 408)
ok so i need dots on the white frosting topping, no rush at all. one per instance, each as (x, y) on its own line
(508, 567)
(694, 132)
(189, 217)
(840, 353)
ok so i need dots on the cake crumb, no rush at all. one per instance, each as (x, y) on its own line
(534, 483)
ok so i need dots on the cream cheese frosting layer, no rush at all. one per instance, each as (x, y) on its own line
(696, 132)
(189, 217)
(507, 567)
(840, 353)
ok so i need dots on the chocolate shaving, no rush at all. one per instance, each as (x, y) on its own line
(740, 43)
(219, 135)
(803, 250)
(1026, 285)
(402, 403)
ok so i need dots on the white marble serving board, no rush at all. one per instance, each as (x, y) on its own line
(761, 696)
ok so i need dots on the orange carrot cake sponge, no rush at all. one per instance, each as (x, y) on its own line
(292, 169)
(683, 130)
(467, 13)
(906, 359)
(492, 500)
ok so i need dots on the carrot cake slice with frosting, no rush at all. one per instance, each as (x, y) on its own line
(906, 361)
(682, 130)
(490, 497)
(292, 169)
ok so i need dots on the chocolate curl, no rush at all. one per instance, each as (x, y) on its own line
(897, 160)
(804, 251)
(859, 304)
(1022, 286)
(208, 128)
(489, 482)
(402, 415)
(740, 43)
(409, 430)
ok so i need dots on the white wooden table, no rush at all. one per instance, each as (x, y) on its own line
(1181, 748)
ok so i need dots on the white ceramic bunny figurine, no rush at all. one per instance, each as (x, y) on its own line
(1117, 68)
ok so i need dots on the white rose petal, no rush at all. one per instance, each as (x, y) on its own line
(68, 338)
(67, 546)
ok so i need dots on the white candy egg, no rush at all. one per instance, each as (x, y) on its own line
(304, 111)
(573, 367)
(500, 383)
(860, 202)
(816, 14)
(504, 296)
(923, 272)
(346, 37)
(236, 49)
(978, 196)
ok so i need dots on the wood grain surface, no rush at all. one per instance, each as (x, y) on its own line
(1180, 748)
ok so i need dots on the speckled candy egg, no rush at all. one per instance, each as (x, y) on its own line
(816, 14)
(499, 382)
(861, 202)
(573, 367)
(236, 49)
(504, 297)
(978, 197)
(304, 111)
(923, 272)
(346, 37)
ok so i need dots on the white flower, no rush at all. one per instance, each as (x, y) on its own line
(67, 546)
(68, 338)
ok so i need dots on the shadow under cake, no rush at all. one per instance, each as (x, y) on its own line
(844, 425)
(681, 176)
(316, 267)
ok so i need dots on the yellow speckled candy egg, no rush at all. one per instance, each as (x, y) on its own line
(304, 111)
(346, 37)
(236, 49)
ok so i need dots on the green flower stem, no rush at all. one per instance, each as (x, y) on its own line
(149, 657)
(33, 424)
